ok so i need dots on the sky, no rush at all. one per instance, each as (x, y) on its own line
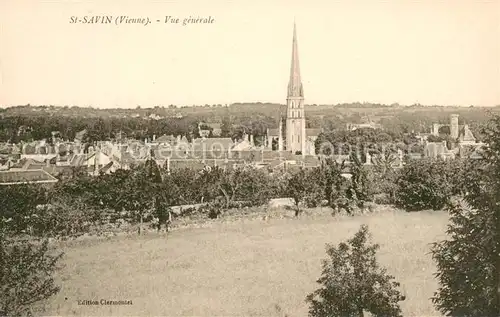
(422, 51)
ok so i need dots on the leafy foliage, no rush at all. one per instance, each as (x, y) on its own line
(26, 275)
(300, 187)
(424, 184)
(334, 184)
(466, 265)
(18, 203)
(469, 261)
(362, 183)
(352, 282)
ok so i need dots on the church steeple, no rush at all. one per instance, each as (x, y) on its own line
(295, 117)
(295, 84)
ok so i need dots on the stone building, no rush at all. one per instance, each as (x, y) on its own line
(297, 138)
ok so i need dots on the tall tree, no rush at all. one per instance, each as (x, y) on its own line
(469, 261)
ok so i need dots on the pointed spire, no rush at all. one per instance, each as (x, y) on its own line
(295, 83)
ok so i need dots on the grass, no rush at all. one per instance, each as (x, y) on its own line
(243, 268)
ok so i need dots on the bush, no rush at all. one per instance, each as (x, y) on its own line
(352, 282)
(18, 204)
(424, 184)
(214, 209)
(64, 219)
(26, 275)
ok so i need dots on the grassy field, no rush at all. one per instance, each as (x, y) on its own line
(244, 268)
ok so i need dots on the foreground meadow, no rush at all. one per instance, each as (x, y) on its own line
(242, 268)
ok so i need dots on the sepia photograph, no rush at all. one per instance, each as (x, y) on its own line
(228, 158)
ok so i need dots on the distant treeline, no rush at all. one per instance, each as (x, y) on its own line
(38, 122)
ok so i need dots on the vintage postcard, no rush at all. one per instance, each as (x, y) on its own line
(250, 158)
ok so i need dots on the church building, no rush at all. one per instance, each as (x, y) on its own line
(298, 139)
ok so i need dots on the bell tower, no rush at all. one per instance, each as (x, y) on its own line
(295, 119)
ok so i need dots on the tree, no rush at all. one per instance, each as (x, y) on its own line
(230, 183)
(334, 184)
(469, 261)
(226, 127)
(362, 185)
(26, 275)
(385, 174)
(424, 184)
(352, 282)
(298, 187)
(138, 193)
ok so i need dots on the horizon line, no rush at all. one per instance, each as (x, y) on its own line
(226, 105)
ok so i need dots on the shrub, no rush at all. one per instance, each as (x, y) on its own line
(18, 204)
(63, 219)
(26, 275)
(424, 184)
(353, 282)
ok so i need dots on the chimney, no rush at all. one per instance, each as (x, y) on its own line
(251, 139)
(154, 137)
